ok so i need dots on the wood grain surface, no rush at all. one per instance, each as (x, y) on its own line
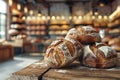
(32, 72)
(75, 71)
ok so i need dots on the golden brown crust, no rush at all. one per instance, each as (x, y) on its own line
(90, 61)
(88, 35)
(99, 56)
(61, 53)
(101, 59)
(71, 47)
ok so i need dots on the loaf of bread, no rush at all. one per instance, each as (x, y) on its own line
(62, 52)
(106, 39)
(88, 35)
(73, 34)
(114, 41)
(99, 55)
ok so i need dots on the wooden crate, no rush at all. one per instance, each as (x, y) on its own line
(6, 52)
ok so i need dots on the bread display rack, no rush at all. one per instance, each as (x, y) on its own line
(18, 24)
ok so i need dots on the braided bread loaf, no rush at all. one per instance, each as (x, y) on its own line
(99, 55)
(62, 52)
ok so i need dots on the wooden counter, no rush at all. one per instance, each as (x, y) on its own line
(72, 72)
(6, 52)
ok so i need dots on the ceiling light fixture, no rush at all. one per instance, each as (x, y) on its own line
(101, 4)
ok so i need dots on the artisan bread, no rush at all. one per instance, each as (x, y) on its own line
(88, 35)
(99, 56)
(114, 41)
(73, 33)
(62, 52)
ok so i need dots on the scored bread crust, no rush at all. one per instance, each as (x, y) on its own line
(62, 52)
(99, 56)
(88, 35)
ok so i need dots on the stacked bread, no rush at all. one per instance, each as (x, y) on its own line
(115, 43)
(83, 43)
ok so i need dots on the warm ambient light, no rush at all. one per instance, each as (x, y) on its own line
(25, 9)
(74, 17)
(10, 2)
(28, 18)
(53, 17)
(62, 17)
(58, 17)
(48, 17)
(110, 17)
(93, 17)
(70, 17)
(23, 17)
(101, 4)
(33, 17)
(99, 17)
(31, 12)
(43, 18)
(39, 14)
(96, 13)
(105, 17)
(18, 6)
(80, 17)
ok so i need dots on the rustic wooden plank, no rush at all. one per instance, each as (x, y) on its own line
(32, 72)
(73, 72)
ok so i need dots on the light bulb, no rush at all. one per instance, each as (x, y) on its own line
(23, 17)
(93, 17)
(99, 17)
(105, 17)
(25, 9)
(62, 17)
(10, 2)
(53, 17)
(70, 17)
(58, 17)
(31, 12)
(80, 17)
(18, 6)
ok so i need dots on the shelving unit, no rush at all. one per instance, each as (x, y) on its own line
(17, 24)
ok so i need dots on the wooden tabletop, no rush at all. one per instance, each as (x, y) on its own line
(75, 71)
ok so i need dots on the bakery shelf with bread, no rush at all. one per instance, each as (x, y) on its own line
(58, 30)
(17, 25)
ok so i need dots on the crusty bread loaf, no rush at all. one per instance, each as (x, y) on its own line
(106, 39)
(73, 34)
(99, 56)
(62, 52)
(88, 35)
(114, 41)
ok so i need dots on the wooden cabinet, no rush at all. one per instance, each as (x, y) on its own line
(6, 52)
